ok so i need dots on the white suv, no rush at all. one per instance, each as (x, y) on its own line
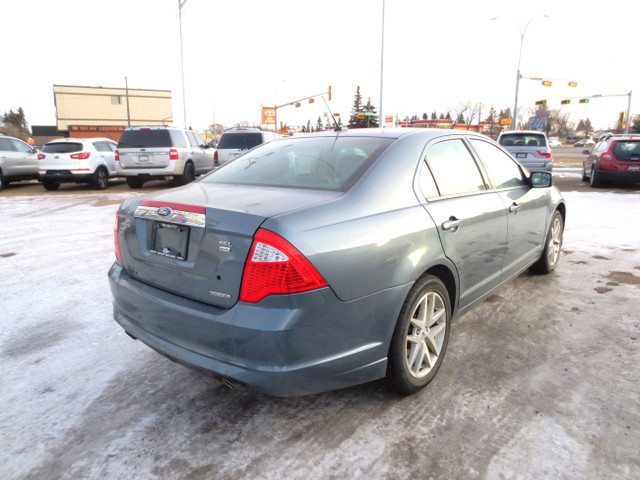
(77, 160)
(153, 153)
(236, 141)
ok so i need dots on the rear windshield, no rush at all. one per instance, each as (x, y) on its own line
(626, 150)
(241, 141)
(326, 163)
(523, 140)
(145, 139)
(62, 147)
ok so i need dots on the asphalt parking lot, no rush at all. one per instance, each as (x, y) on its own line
(540, 381)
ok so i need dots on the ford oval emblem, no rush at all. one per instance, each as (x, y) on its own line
(164, 212)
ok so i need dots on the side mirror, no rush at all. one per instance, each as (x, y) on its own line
(586, 152)
(541, 179)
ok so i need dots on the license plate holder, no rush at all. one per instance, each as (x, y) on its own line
(521, 155)
(170, 240)
(634, 168)
(143, 159)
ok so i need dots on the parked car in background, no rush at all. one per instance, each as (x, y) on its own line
(529, 147)
(18, 161)
(327, 260)
(572, 139)
(614, 158)
(236, 141)
(155, 153)
(554, 142)
(585, 142)
(77, 160)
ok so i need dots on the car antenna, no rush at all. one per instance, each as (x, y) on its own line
(338, 127)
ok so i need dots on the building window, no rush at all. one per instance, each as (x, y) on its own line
(116, 100)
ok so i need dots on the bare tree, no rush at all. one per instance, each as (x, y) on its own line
(467, 112)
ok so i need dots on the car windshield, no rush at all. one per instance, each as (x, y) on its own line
(62, 147)
(242, 141)
(328, 163)
(523, 140)
(627, 150)
(145, 139)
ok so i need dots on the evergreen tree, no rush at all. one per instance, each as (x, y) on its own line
(460, 118)
(635, 126)
(434, 116)
(425, 116)
(354, 121)
(319, 126)
(448, 117)
(372, 120)
(442, 116)
(15, 124)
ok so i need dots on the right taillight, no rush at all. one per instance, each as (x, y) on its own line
(116, 240)
(116, 156)
(215, 156)
(275, 267)
(173, 154)
(41, 156)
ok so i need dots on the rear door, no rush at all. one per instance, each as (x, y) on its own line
(145, 148)
(471, 220)
(105, 155)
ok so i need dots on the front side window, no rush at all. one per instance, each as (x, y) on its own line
(327, 163)
(6, 145)
(501, 168)
(453, 168)
(22, 147)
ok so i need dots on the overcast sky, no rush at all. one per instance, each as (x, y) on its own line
(239, 55)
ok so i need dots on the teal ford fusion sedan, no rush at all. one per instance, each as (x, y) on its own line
(322, 261)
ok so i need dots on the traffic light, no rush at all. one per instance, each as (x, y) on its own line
(565, 102)
(329, 92)
(311, 100)
(546, 83)
(584, 100)
(361, 115)
(541, 102)
(621, 118)
(297, 105)
(573, 84)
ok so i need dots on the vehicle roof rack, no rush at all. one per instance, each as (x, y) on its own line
(607, 136)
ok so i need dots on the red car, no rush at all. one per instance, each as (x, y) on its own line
(615, 158)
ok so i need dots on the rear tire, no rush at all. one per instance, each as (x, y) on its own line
(100, 179)
(134, 182)
(596, 180)
(584, 177)
(3, 182)
(421, 335)
(48, 185)
(553, 243)
(188, 175)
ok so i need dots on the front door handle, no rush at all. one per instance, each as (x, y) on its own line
(514, 208)
(452, 224)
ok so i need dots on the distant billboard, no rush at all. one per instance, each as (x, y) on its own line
(268, 116)
(538, 123)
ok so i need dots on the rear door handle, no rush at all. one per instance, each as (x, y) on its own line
(452, 224)
(514, 208)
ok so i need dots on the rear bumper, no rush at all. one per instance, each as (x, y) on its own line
(284, 346)
(174, 168)
(617, 176)
(62, 176)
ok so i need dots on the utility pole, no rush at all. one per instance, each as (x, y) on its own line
(126, 85)
(184, 103)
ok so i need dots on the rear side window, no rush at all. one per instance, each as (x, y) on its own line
(326, 163)
(103, 146)
(453, 168)
(523, 140)
(6, 145)
(66, 147)
(145, 139)
(21, 146)
(242, 141)
(626, 150)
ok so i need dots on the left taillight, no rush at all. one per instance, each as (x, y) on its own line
(116, 156)
(116, 240)
(41, 156)
(173, 154)
(81, 156)
(275, 267)
(544, 154)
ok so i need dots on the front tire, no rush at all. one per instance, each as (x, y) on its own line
(421, 335)
(48, 185)
(100, 179)
(3, 182)
(551, 253)
(584, 177)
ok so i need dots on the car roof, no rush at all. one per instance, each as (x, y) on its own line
(392, 133)
(81, 140)
(527, 132)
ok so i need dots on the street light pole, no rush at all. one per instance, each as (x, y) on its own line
(184, 104)
(519, 75)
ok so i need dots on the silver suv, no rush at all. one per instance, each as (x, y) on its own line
(154, 153)
(529, 147)
(18, 161)
(236, 141)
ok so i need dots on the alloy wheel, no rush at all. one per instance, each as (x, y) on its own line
(425, 334)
